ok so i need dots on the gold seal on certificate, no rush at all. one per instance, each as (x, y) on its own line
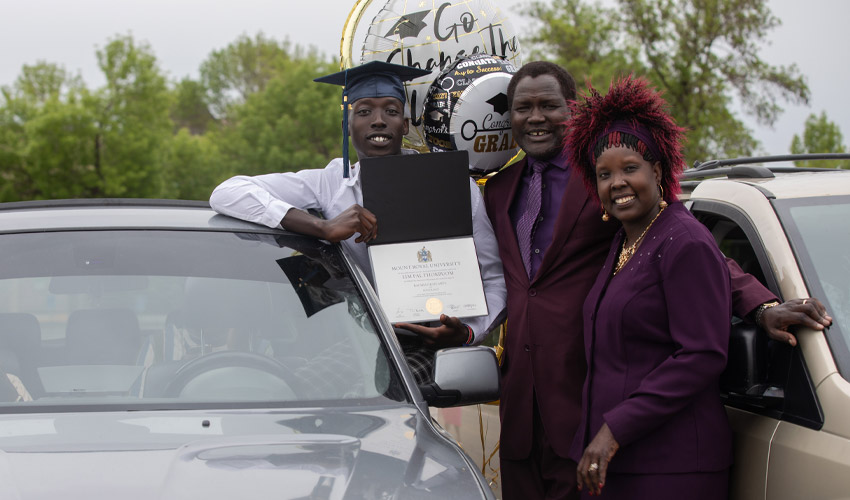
(434, 305)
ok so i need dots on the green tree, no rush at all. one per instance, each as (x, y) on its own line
(61, 140)
(241, 69)
(132, 112)
(294, 123)
(46, 136)
(43, 82)
(139, 136)
(59, 156)
(701, 53)
(589, 43)
(12, 144)
(189, 108)
(820, 136)
(193, 167)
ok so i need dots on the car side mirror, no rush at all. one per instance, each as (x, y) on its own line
(463, 376)
(745, 378)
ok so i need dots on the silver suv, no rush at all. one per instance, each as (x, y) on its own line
(160, 350)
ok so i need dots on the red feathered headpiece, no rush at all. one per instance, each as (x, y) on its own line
(633, 107)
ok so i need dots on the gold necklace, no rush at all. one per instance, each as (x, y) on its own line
(627, 252)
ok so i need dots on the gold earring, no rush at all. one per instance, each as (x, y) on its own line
(662, 204)
(605, 216)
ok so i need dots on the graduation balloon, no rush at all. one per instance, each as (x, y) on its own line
(466, 108)
(433, 35)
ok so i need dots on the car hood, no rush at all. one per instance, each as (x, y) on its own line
(327, 454)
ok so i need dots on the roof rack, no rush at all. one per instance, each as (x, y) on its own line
(746, 167)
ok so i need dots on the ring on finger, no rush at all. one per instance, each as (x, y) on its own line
(804, 301)
(593, 467)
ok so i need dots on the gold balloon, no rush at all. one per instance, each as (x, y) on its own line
(348, 29)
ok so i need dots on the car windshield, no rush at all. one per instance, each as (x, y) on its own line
(182, 318)
(820, 236)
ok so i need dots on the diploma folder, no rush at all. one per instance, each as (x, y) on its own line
(418, 196)
(423, 261)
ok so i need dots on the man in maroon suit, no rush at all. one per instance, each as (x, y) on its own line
(552, 242)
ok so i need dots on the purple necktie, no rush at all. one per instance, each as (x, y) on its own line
(525, 225)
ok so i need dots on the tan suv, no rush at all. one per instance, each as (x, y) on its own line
(789, 407)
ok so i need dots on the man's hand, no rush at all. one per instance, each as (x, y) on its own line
(452, 332)
(808, 313)
(593, 466)
(355, 219)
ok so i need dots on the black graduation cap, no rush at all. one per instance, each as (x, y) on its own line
(409, 25)
(309, 279)
(373, 79)
(499, 103)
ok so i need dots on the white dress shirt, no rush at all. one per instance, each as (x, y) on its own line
(265, 199)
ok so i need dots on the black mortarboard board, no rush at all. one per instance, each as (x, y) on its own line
(309, 278)
(373, 79)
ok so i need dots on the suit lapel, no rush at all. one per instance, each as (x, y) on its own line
(574, 200)
(512, 177)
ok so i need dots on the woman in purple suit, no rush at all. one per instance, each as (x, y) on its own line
(656, 322)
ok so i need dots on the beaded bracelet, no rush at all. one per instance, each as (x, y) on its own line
(471, 336)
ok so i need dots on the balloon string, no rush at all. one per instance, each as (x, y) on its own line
(345, 128)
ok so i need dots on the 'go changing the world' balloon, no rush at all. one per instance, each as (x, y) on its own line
(433, 35)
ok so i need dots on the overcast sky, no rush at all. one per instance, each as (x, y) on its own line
(813, 35)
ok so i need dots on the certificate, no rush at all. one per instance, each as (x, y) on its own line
(417, 281)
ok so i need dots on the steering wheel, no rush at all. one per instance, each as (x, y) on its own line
(230, 359)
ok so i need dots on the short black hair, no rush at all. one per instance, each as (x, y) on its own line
(537, 68)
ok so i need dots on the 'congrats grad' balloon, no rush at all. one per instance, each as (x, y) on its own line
(466, 108)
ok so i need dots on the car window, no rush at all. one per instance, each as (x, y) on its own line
(183, 317)
(817, 231)
(737, 239)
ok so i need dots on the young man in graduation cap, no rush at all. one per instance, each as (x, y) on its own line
(373, 115)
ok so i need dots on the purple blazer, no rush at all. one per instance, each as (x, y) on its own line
(656, 338)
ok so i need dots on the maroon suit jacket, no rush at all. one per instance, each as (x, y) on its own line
(544, 349)
(544, 345)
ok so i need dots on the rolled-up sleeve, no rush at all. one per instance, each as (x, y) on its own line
(265, 199)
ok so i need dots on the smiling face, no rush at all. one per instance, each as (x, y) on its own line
(538, 113)
(628, 187)
(377, 125)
